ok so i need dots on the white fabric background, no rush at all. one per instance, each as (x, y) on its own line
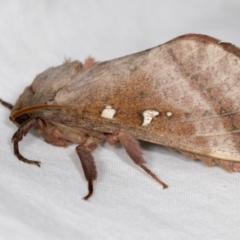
(45, 203)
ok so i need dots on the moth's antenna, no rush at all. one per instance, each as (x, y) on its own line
(7, 105)
(32, 108)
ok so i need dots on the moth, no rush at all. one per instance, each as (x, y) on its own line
(184, 94)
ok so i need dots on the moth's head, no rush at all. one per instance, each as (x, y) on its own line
(18, 113)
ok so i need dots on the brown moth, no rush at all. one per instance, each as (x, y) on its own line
(184, 94)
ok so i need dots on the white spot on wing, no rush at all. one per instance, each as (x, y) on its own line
(148, 115)
(169, 114)
(108, 112)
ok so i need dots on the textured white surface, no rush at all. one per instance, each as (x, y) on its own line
(45, 203)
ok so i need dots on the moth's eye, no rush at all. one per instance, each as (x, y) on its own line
(21, 119)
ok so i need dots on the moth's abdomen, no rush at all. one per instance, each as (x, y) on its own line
(229, 166)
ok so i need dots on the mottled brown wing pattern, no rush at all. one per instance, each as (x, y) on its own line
(193, 83)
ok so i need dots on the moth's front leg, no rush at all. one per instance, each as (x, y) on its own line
(89, 168)
(134, 151)
(18, 136)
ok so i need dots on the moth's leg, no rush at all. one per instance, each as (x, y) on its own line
(134, 151)
(6, 104)
(89, 168)
(18, 136)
